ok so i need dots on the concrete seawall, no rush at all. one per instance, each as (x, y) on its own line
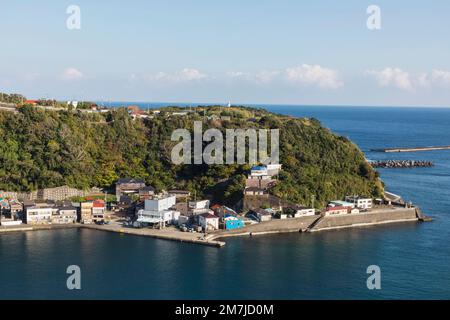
(304, 224)
(365, 219)
(269, 227)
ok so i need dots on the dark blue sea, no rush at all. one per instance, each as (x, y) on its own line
(414, 258)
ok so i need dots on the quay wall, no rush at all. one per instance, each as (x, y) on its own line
(268, 227)
(362, 219)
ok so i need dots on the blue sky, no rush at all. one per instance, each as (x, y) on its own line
(252, 51)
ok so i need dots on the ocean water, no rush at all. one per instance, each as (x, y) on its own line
(414, 258)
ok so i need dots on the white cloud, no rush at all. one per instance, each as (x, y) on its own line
(236, 74)
(314, 75)
(261, 77)
(392, 77)
(396, 77)
(265, 76)
(72, 74)
(441, 77)
(187, 74)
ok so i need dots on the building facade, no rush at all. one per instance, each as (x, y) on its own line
(86, 212)
(360, 202)
(208, 221)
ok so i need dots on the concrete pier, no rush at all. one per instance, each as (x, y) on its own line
(166, 234)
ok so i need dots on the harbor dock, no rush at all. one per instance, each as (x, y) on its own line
(166, 234)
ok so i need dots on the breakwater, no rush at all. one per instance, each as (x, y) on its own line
(401, 164)
(414, 149)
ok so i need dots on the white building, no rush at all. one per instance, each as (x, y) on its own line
(303, 212)
(65, 215)
(360, 202)
(160, 204)
(337, 210)
(165, 216)
(39, 215)
(258, 171)
(339, 203)
(200, 204)
(159, 211)
(208, 221)
(98, 210)
(262, 214)
(198, 207)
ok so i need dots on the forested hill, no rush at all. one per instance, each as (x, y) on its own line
(47, 149)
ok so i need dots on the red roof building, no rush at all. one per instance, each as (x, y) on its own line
(32, 102)
(98, 203)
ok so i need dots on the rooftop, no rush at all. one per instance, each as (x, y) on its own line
(130, 180)
(259, 168)
(209, 216)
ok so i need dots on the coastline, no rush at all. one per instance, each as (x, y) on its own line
(215, 239)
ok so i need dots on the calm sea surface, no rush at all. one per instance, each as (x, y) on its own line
(414, 258)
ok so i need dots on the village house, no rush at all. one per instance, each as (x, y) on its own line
(146, 193)
(337, 210)
(254, 191)
(85, 216)
(262, 214)
(40, 213)
(208, 221)
(15, 207)
(261, 179)
(261, 182)
(339, 203)
(65, 215)
(301, 211)
(222, 211)
(198, 207)
(159, 211)
(179, 194)
(360, 202)
(128, 186)
(232, 222)
(31, 102)
(9, 216)
(258, 171)
(4, 206)
(199, 204)
(98, 210)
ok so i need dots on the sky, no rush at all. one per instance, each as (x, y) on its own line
(244, 51)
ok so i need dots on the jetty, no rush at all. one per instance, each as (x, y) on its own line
(401, 164)
(414, 149)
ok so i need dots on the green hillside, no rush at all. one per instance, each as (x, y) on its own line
(47, 149)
